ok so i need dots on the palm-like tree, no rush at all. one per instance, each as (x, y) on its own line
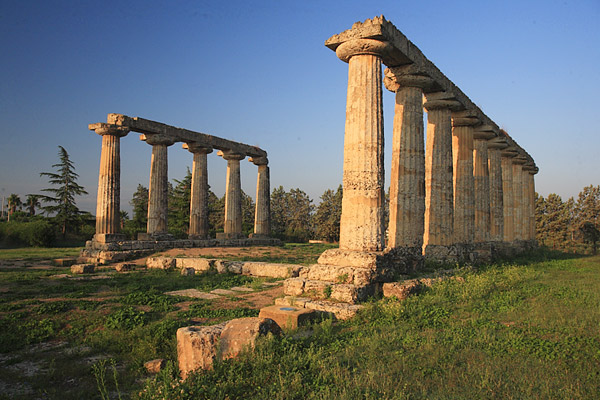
(32, 202)
(14, 203)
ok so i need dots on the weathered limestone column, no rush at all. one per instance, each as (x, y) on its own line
(109, 183)
(199, 191)
(464, 185)
(528, 201)
(482, 183)
(532, 170)
(262, 213)
(407, 189)
(233, 197)
(507, 190)
(518, 197)
(158, 191)
(496, 190)
(439, 198)
(361, 226)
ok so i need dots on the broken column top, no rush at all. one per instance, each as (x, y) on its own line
(406, 58)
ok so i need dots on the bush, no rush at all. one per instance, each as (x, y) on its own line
(34, 233)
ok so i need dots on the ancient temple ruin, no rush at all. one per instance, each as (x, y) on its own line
(466, 193)
(108, 244)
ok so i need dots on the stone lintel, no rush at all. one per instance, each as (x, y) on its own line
(146, 126)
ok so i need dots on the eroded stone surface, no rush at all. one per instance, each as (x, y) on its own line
(288, 317)
(82, 268)
(241, 334)
(197, 347)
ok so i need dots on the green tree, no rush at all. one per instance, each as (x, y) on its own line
(179, 206)
(62, 201)
(291, 214)
(216, 213)
(14, 204)
(139, 202)
(590, 234)
(248, 209)
(586, 214)
(32, 202)
(326, 220)
(278, 212)
(553, 221)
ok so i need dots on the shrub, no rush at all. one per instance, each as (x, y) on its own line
(34, 233)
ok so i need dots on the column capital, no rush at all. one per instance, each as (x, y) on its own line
(497, 143)
(355, 47)
(229, 155)
(485, 132)
(465, 118)
(509, 152)
(102, 129)
(441, 100)
(157, 139)
(406, 76)
(194, 147)
(519, 160)
(259, 160)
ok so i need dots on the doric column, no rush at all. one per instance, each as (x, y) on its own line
(464, 185)
(158, 192)
(518, 197)
(262, 213)
(507, 190)
(109, 182)
(496, 190)
(233, 196)
(528, 201)
(199, 191)
(482, 184)
(439, 198)
(532, 170)
(361, 226)
(407, 189)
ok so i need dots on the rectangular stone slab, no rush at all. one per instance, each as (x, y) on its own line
(288, 317)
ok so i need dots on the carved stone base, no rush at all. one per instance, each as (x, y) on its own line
(227, 236)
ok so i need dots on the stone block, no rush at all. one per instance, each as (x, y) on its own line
(82, 269)
(197, 347)
(317, 289)
(223, 292)
(124, 267)
(155, 366)
(271, 270)
(196, 263)
(288, 317)
(293, 286)
(160, 262)
(188, 272)
(241, 334)
(64, 262)
(194, 293)
(351, 258)
(401, 290)
(346, 293)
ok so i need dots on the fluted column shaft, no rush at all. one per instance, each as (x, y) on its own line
(262, 213)
(508, 204)
(361, 226)
(464, 186)
(199, 192)
(482, 190)
(518, 215)
(158, 191)
(439, 199)
(233, 195)
(109, 181)
(531, 183)
(496, 195)
(407, 188)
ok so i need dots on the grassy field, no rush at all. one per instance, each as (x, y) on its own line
(528, 329)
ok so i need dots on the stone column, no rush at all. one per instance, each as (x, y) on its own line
(439, 198)
(361, 226)
(518, 197)
(464, 185)
(158, 192)
(482, 185)
(531, 182)
(109, 183)
(199, 191)
(528, 203)
(407, 189)
(496, 191)
(507, 190)
(262, 213)
(233, 197)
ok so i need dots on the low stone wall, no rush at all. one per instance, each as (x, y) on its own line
(97, 252)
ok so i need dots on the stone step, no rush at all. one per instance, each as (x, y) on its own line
(343, 274)
(345, 292)
(339, 310)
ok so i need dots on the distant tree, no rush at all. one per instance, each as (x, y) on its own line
(139, 202)
(291, 214)
(123, 218)
(216, 213)
(590, 234)
(179, 205)
(553, 220)
(586, 214)
(14, 204)
(248, 209)
(32, 202)
(326, 220)
(279, 212)
(62, 201)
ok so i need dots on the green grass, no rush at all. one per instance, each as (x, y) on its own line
(38, 253)
(509, 331)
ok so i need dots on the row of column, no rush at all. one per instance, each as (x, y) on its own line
(108, 201)
(464, 186)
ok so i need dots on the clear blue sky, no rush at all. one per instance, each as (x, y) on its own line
(258, 72)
